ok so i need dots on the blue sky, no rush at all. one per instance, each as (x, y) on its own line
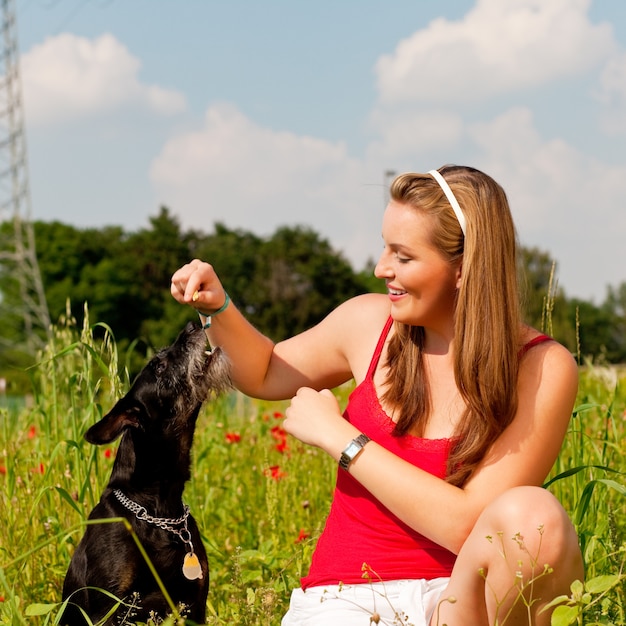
(261, 114)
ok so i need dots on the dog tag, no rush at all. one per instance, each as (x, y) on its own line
(191, 567)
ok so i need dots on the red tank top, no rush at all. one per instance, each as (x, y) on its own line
(359, 529)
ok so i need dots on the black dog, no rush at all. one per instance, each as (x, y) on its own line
(157, 418)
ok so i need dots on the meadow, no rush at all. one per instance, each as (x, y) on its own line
(260, 497)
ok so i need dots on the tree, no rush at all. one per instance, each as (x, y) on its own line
(544, 302)
(284, 284)
(615, 308)
(145, 266)
(304, 280)
(367, 278)
(68, 262)
(594, 329)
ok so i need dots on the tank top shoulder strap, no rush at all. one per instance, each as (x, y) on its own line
(379, 347)
(532, 343)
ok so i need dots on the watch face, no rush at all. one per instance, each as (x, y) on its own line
(352, 449)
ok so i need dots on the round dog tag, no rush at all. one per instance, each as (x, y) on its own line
(191, 567)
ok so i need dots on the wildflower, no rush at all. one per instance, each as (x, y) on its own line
(32, 432)
(282, 446)
(280, 435)
(278, 415)
(275, 472)
(368, 572)
(302, 536)
(3, 469)
(108, 453)
(38, 470)
(233, 437)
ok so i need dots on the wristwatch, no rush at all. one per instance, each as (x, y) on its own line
(352, 450)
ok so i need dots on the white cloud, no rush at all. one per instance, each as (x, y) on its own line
(448, 93)
(563, 201)
(404, 133)
(451, 93)
(611, 92)
(234, 171)
(498, 47)
(69, 76)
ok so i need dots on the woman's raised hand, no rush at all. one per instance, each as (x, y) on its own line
(197, 284)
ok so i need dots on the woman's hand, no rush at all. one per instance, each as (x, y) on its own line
(197, 284)
(314, 417)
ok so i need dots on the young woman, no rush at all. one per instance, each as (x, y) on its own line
(458, 415)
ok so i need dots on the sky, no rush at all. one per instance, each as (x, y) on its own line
(261, 114)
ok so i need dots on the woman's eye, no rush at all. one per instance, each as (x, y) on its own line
(402, 259)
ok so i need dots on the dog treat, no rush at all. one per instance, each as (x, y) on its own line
(196, 295)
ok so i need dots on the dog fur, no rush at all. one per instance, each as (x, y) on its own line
(156, 420)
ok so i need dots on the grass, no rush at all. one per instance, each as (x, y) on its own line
(259, 497)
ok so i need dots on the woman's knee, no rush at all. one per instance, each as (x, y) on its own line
(523, 545)
(534, 520)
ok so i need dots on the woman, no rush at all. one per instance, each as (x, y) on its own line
(458, 415)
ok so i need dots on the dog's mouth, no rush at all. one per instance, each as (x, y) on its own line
(209, 368)
(217, 370)
(212, 356)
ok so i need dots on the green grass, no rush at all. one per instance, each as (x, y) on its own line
(259, 504)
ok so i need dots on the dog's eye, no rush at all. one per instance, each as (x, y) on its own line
(160, 366)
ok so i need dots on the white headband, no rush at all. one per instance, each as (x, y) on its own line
(451, 199)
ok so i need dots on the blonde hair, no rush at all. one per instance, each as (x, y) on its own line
(487, 315)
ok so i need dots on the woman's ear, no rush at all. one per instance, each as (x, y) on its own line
(459, 272)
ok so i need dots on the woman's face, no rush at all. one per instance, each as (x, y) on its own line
(421, 283)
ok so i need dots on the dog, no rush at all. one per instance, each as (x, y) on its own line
(156, 420)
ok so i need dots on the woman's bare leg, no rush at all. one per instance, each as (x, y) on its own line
(523, 536)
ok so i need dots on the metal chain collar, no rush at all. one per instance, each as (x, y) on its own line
(165, 523)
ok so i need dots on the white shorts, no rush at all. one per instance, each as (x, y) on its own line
(412, 601)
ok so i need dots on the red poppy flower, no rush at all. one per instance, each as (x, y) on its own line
(302, 536)
(278, 432)
(3, 469)
(32, 432)
(275, 472)
(233, 437)
(282, 446)
(280, 435)
(38, 470)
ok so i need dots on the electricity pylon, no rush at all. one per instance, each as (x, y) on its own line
(26, 305)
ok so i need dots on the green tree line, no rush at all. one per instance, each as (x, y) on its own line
(284, 283)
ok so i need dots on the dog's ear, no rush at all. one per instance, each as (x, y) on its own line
(123, 415)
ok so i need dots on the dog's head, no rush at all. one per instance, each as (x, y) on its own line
(167, 394)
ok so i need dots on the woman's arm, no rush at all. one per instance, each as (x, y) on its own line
(522, 455)
(320, 357)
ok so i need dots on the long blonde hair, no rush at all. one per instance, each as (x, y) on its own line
(487, 315)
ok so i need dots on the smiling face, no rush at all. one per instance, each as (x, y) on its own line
(422, 284)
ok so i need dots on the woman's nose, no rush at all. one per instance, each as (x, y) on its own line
(382, 269)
